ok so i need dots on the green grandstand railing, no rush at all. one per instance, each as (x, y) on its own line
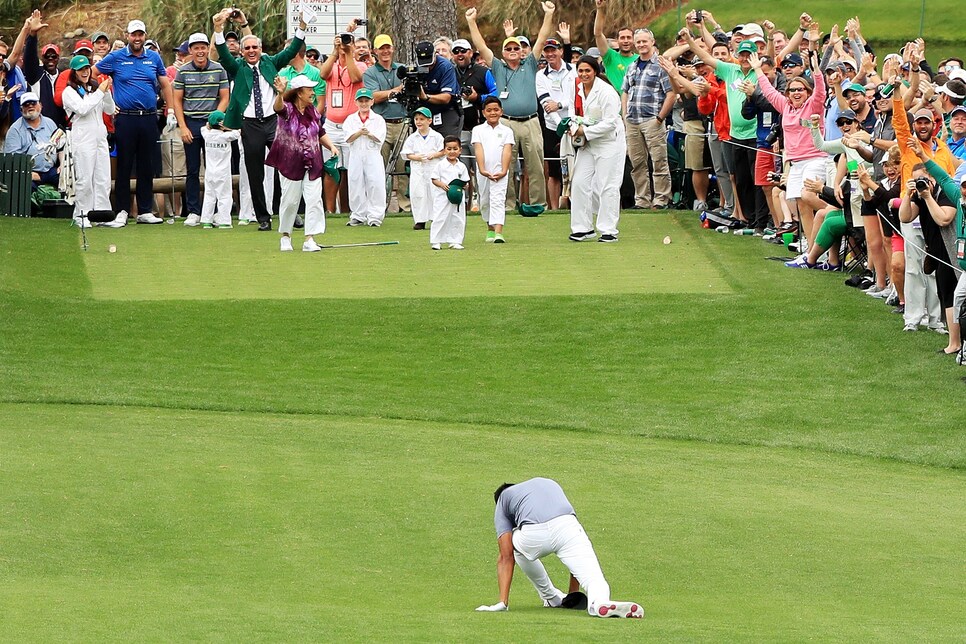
(15, 185)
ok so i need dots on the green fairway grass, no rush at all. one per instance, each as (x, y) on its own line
(306, 449)
(186, 263)
(239, 526)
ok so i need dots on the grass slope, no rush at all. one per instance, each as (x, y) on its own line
(152, 524)
(311, 468)
(882, 22)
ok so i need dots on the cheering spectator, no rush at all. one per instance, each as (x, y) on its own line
(296, 154)
(555, 90)
(616, 61)
(516, 81)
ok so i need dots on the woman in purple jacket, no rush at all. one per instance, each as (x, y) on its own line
(297, 155)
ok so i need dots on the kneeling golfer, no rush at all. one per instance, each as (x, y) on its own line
(534, 519)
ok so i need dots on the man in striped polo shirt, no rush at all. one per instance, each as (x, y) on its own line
(200, 88)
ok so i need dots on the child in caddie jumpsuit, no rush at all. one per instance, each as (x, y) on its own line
(423, 148)
(493, 148)
(365, 132)
(217, 171)
(449, 219)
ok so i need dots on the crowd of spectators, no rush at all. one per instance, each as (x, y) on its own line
(816, 140)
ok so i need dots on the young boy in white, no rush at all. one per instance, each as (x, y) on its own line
(217, 172)
(365, 132)
(422, 149)
(493, 149)
(449, 221)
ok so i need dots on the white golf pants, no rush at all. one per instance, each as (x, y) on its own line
(564, 537)
(311, 190)
(596, 179)
(492, 200)
(922, 301)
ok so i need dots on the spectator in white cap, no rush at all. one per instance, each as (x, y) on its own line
(753, 32)
(31, 135)
(200, 88)
(137, 73)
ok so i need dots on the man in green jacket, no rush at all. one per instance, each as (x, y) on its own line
(250, 105)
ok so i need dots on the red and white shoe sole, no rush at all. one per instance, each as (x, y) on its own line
(629, 610)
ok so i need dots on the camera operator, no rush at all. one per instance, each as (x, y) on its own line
(382, 80)
(343, 78)
(439, 90)
(476, 84)
(923, 198)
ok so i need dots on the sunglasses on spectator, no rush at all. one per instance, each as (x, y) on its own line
(250, 47)
(49, 56)
(511, 49)
(796, 89)
(459, 50)
(312, 56)
(845, 122)
(26, 103)
(789, 65)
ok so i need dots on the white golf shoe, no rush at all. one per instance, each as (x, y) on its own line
(310, 246)
(192, 220)
(149, 218)
(286, 244)
(630, 610)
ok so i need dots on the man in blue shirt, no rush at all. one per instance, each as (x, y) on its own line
(957, 132)
(138, 74)
(30, 135)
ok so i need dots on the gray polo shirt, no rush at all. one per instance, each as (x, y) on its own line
(519, 86)
(201, 88)
(535, 501)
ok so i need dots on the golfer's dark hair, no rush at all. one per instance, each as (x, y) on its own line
(596, 66)
(492, 99)
(452, 139)
(499, 491)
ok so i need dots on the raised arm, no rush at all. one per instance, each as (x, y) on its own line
(705, 56)
(477, 38)
(773, 96)
(804, 21)
(599, 38)
(545, 29)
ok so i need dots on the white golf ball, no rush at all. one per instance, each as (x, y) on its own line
(112, 248)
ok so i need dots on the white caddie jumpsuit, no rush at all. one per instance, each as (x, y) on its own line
(449, 220)
(217, 175)
(599, 167)
(420, 185)
(91, 156)
(366, 173)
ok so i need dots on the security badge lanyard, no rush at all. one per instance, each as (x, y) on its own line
(337, 94)
(961, 241)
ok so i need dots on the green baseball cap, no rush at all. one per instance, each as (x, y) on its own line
(749, 46)
(424, 111)
(216, 118)
(530, 210)
(454, 193)
(854, 87)
(364, 93)
(79, 62)
(332, 168)
(563, 126)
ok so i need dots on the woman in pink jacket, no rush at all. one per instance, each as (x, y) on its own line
(799, 102)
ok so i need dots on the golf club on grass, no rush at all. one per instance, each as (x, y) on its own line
(386, 243)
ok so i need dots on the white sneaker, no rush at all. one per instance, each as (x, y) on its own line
(618, 609)
(436, 247)
(911, 327)
(286, 244)
(309, 246)
(83, 222)
(119, 222)
(244, 222)
(149, 218)
(192, 220)
(456, 246)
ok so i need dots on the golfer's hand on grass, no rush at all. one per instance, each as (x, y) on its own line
(499, 607)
